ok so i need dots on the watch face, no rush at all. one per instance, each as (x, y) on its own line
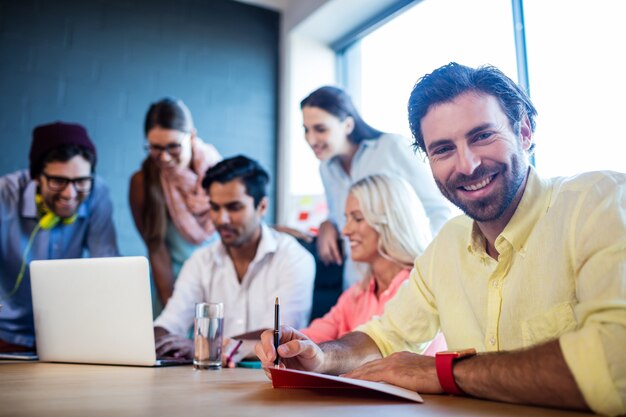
(458, 353)
(467, 352)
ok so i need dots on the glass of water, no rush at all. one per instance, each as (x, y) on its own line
(208, 335)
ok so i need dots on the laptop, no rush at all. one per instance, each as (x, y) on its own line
(94, 310)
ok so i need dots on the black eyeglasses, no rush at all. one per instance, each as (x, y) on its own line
(173, 149)
(57, 184)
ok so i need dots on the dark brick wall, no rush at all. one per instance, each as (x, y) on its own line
(101, 63)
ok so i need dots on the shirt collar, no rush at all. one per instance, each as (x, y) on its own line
(369, 142)
(365, 143)
(268, 243)
(29, 207)
(535, 201)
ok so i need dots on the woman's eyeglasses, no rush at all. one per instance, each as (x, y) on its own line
(173, 149)
(58, 184)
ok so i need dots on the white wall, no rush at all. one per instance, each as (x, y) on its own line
(307, 62)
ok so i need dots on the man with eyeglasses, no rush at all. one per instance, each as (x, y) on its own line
(57, 209)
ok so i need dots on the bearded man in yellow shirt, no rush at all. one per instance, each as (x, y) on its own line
(532, 277)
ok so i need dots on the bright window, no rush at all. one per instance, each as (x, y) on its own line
(577, 80)
(427, 36)
(575, 60)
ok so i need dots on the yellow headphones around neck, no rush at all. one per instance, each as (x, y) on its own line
(47, 221)
(48, 218)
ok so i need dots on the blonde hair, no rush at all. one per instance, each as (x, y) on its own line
(391, 207)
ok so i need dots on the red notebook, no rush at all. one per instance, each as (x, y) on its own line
(291, 378)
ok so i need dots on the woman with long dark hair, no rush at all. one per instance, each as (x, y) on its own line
(168, 203)
(350, 149)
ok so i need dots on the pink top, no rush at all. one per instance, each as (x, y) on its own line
(355, 307)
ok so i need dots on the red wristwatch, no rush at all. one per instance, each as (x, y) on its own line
(444, 362)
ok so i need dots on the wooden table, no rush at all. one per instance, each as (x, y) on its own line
(48, 389)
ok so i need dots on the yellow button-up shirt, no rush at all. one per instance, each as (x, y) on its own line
(561, 273)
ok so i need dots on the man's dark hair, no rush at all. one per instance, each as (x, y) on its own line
(64, 153)
(448, 82)
(249, 171)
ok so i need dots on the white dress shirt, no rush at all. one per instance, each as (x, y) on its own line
(281, 268)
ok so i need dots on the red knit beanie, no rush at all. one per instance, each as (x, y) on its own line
(54, 135)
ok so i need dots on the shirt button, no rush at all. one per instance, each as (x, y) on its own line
(492, 341)
(494, 284)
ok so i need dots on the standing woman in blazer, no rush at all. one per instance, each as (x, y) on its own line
(169, 206)
(350, 149)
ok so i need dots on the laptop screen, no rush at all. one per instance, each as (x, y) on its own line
(93, 310)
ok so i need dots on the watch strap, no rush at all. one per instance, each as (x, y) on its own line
(444, 362)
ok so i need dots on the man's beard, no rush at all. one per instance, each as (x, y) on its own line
(234, 235)
(492, 207)
(51, 201)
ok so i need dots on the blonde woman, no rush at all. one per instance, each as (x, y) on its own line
(387, 229)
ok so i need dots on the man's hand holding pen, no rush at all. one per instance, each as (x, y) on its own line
(296, 351)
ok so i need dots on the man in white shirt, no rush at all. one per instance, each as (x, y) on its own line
(250, 266)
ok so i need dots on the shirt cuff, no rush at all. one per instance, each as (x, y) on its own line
(584, 354)
(167, 325)
(369, 329)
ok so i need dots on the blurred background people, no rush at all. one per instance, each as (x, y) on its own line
(169, 206)
(57, 209)
(350, 149)
(249, 266)
(387, 228)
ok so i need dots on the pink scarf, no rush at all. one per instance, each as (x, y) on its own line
(187, 202)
